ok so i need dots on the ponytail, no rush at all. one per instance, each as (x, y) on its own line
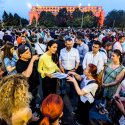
(93, 71)
(98, 79)
(45, 121)
(51, 109)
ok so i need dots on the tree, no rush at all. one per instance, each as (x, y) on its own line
(89, 20)
(77, 13)
(62, 17)
(10, 20)
(77, 17)
(16, 19)
(5, 17)
(42, 18)
(0, 23)
(115, 19)
(34, 22)
(47, 19)
(69, 21)
(24, 22)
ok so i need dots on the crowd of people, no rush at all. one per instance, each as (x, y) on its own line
(93, 59)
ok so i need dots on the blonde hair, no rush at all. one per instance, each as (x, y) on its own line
(14, 95)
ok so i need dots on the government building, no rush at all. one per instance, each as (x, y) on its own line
(97, 11)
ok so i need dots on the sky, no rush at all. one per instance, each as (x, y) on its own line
(22, 7)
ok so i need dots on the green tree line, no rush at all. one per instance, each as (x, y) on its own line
(65, 18)
(115, 18)
(13, 20)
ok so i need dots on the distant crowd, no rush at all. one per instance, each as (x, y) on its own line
(93, 59)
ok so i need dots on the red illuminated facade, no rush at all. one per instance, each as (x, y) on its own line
(97, 10)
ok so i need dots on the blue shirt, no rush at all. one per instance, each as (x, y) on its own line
(10, 62)
(83, 49)
(123, 46)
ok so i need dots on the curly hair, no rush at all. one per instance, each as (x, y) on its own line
(14, 95)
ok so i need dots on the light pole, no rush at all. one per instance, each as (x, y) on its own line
(20, 23)
(113, 23)
(82, 14)
(82, 20)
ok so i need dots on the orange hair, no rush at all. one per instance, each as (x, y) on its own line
(51, 108)
(93, 71)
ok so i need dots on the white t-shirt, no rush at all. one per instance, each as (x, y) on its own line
(118, 46)
(94, 59)
(47, 39)
(104, 54)
(123, 86)
(40, 48)
(89, 89)
(123, 46)
(1, 35)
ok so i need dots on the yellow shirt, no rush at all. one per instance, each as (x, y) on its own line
(46, 65)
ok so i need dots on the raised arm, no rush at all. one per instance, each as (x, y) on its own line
(77, 88)
(29, 70)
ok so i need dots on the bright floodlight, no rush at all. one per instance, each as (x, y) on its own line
(89, 4)
(80, 4)
(29, 5)
(37, 4)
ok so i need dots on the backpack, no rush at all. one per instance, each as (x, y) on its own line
(90, 82)
(99, 91)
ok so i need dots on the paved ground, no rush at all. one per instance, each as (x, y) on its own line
(95, 118)
(70, 104)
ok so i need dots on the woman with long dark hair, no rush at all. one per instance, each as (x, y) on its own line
(47, 66)
(86, 91)
(9, 58)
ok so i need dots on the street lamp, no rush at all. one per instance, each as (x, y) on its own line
(82, 20)
(82, 14)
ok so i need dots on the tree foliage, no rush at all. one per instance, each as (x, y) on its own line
(89, 20)
(0, 23)
(34, 22)
(13, 20)
(62, 17)
(77, 13)
(47, 19)
(77, 17)
(115, 18)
